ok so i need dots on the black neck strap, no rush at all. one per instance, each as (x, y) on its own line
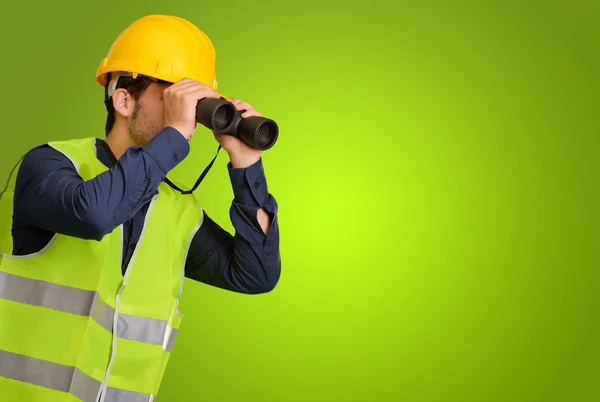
(199, 178)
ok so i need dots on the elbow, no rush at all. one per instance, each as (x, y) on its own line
(95, 226)
(272, 273)
(269, 283)
(94, 221)
(267, 286)
(262, 288)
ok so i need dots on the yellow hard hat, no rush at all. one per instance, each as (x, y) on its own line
(163, 47)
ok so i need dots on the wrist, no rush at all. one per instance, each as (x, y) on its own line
(243, 159)
(181, 130)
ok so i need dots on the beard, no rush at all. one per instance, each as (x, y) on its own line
(141, 128)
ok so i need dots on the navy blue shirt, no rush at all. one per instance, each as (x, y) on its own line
(51, 197)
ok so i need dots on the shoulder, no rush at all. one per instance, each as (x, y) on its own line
(43, 156)
(54, 152)
(43, 152)
(40, 161)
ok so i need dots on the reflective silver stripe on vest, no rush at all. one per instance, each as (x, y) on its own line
(86, 303)
(61, 378)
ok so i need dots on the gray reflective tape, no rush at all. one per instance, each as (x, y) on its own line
(61, 378)
(120, 395)
(46, 294)
(81, 302)
(142, 329)
(171, 341)
(35, 371)
(103, 314)
(85, 387)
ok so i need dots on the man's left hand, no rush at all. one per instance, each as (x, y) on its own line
(241, 154)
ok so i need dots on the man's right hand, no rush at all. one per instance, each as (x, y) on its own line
(180, 100)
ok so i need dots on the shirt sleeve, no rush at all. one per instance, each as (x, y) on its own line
(50, 194)
(248, 261)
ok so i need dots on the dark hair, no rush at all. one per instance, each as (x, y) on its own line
(135, 86)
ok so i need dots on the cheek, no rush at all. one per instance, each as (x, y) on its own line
(157, 114)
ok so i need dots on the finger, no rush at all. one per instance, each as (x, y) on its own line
(175, 88)
(243, 105)
(186, 85)
(181, 83)
(203, 92)
(195, 87)
(250, 113)
(190, 85)
(185, 81)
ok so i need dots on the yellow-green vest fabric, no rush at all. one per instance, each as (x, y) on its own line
(72, 327)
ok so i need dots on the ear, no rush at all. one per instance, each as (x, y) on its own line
(123, 102)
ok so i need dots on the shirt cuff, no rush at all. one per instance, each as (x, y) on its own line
(169, 147)
(249, 184)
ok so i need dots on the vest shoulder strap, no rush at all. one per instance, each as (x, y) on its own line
(82, 154)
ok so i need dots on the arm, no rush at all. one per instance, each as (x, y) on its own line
(249, 261)
(51, 195)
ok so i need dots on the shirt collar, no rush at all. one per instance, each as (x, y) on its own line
(105, 155)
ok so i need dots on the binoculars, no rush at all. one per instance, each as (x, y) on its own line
(221, 116)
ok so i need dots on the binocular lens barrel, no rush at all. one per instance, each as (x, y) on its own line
(215, 113)
(222, 117)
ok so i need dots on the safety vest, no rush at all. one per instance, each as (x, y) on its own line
(72, 326)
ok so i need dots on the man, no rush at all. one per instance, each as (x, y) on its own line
(91, 277)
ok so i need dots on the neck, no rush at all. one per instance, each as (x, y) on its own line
(119, 141)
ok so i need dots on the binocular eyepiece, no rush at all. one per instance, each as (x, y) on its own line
(221, 116)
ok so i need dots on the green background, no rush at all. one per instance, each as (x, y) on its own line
(437, 178)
